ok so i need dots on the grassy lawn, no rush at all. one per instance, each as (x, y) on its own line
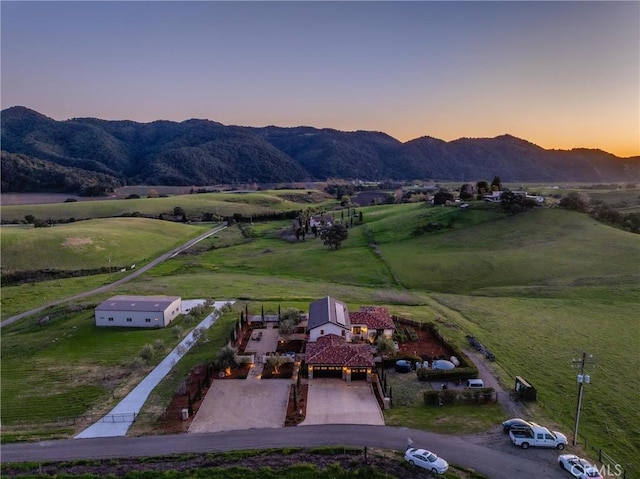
(537, 289)
(450, 419)
(409, 409)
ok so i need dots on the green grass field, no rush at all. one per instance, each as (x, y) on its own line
(221, 204)
(92, 244)
(537, 289)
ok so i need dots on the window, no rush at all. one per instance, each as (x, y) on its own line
(129, 320)
(321, 332)
(344, 333)
(357, 330)
(110, 319)
(147, 320)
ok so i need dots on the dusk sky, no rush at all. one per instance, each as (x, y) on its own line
(558, 74)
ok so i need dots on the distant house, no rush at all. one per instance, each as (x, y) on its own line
(138, 311)
(328, 316)
(320, 220)
(494, 197)
(371, 322)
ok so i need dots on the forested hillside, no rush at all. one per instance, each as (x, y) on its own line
(89, 154)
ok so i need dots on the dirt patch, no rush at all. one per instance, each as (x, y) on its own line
(424, 344)
(77, 242)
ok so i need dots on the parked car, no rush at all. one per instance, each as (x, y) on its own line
(426, 459)
(290, 354)
(578, 467)
(537, 436)
(515, 423)
(475, 383)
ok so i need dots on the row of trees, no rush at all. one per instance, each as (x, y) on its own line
(601, 211)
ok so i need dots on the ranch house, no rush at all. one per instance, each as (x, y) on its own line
(138, 311)
(330, 351)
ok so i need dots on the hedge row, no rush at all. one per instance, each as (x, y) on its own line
(452, 396)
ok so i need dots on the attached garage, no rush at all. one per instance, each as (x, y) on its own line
(327, 371)
(359, 374)
(332, 357)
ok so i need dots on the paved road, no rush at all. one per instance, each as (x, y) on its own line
(465, 451)
(134, 274)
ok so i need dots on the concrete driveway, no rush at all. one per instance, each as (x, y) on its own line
(232, 404)
(333, 401)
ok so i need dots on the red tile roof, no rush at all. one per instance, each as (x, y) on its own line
(335, 351)
(374, 317)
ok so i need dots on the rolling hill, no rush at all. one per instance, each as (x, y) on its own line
(107, 154)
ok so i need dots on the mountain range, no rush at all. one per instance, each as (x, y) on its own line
(89, 154)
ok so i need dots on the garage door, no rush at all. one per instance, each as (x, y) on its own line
(327, 372)
(359, 374)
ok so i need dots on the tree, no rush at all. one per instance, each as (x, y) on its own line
(286, 327)
(511, 203)
(441, 197)
(483, 188)
(467, 192)
(385, 345)
(227, 358)
(152, 193)
(30, 219)
(275, 361)
(292, 314)
(334, 235)
(575, 201)
(496, 184)
(178, 211)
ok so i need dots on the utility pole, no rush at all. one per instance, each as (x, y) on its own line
(582, 380)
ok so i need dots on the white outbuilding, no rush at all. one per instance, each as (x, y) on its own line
(138, 311)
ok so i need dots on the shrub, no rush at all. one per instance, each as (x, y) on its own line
(147, 352)
(177, 332)
(431, 398)
(137, 363)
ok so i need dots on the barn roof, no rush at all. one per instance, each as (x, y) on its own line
(137, 303)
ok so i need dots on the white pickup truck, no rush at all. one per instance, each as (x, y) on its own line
(538, 436)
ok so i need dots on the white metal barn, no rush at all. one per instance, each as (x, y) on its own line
(138, 311)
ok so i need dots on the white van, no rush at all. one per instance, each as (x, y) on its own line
(475, 383)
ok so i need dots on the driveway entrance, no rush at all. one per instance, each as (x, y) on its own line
(334, 401)
(243, 404)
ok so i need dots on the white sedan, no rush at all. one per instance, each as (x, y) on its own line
(426, 459)
(578, 467)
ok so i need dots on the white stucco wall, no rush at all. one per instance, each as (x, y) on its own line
(328, 328)
(138, 319)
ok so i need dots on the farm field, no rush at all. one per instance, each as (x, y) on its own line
(536, 288)
(92, 244)
(218, 204)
